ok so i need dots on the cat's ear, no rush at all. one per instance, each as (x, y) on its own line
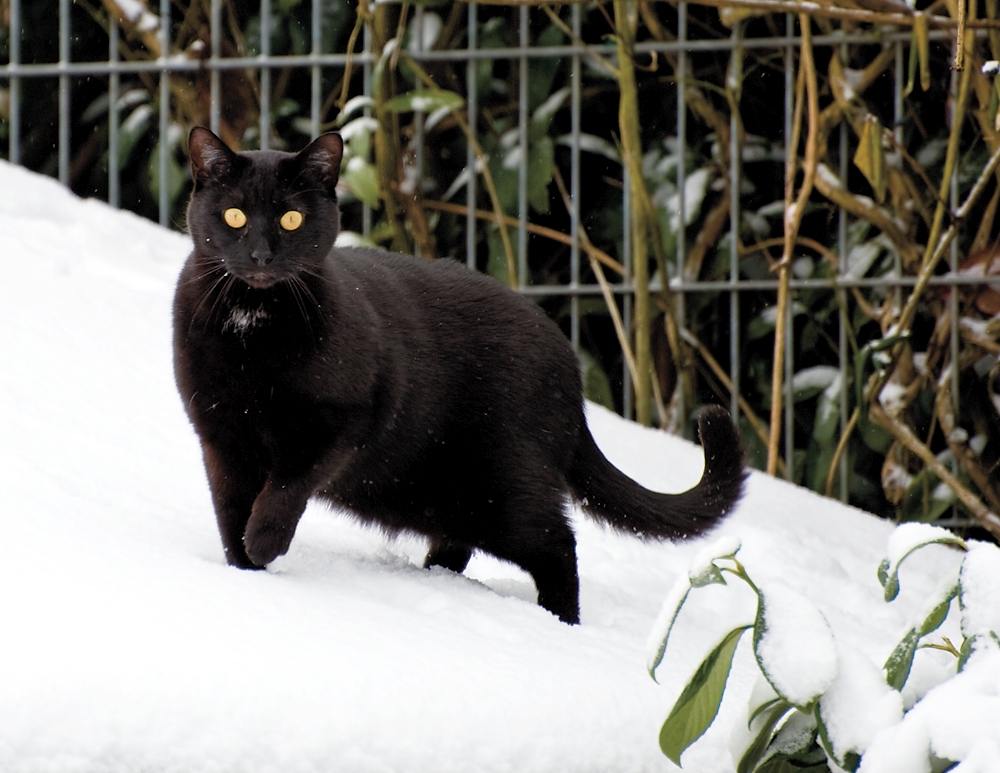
(210, 158)
(322, 159)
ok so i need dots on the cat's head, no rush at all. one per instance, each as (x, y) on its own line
(263, 216)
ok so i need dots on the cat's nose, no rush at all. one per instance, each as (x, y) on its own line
(261, 257)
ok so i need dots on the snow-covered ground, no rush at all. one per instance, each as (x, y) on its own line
(126, 643)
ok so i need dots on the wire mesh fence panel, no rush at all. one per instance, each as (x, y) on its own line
(504, 136)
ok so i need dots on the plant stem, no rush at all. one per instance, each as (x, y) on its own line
(538, 230)
(626, 20)
(806, 89)
(482, 160)
(987, 519)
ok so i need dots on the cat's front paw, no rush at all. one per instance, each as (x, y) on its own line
(266, 539)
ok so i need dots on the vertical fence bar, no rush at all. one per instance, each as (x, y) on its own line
(164, 192)
(265, 74)
(789, 418)
(417, 42)
(471, 162)
(315, 71)
(628, 404)
(64, 94)
(114, 194)
(734, 253)
(522, 141)
(681, 298)
(953, 301)
(845, 321)
(14, 148)
(214, 76)
(366, 211)
(574, 185)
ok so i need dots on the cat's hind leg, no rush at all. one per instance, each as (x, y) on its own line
(448, 554)
(536, 536)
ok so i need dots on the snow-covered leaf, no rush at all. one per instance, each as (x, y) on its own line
(698, 704)
(657, 643)
(794, 645)
(827, 413)
(424, 100)
(592, 144)
(352, 106)
(904, 540)
(979, 589)
(793, 741)
(809, 382)
(856, 707)
(703, 571)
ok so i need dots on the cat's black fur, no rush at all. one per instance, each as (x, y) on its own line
(418, 394)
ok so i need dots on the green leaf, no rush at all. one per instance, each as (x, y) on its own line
(541, 159)
(542, 70)
(131, 131)
(897, 667)
(596, 385)
(938, 614)
(756, 749)
(711, 575)
(424, 100)
(698, 704)
(973, 643)
(362, 178)
(763, 323)
(177, 173)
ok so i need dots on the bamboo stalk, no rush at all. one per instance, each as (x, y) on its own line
(387, 141)
(806, 90)
(626, 20)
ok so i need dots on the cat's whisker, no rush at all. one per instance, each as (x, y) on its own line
(296, 285)
(218, 267)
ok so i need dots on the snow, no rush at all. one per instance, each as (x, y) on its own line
(980, 583)
(858, 704)
(129, 645)
(953, 720)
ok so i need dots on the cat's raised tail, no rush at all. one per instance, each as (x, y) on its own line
(610, 496)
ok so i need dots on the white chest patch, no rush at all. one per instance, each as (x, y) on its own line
(241, 320)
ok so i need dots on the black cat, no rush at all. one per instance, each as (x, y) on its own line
(418, 394)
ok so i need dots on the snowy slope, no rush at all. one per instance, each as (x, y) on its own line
(126, 644)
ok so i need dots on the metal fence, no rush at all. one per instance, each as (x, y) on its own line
(783, 46)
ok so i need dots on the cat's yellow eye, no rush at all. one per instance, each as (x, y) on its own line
(291, 220)
(234, 217)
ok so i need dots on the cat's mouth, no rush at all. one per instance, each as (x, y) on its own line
(261, 280)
